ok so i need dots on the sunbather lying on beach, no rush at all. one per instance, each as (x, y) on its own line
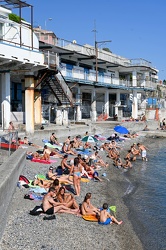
(36, 155)
(54, 176)
(105, 218)
(51, 152)
(41, 183)
(27, 142)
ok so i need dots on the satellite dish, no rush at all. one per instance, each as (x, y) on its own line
(74, 41)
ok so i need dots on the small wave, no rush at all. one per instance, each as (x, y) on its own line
(129, 188)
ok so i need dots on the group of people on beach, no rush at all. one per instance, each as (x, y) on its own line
(113, 151)
(73, 168)
(70, 172)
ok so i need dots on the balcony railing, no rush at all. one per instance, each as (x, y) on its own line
(78, 74)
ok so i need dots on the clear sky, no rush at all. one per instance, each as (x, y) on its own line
(137, 28)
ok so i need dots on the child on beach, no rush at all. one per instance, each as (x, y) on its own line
(105, 218)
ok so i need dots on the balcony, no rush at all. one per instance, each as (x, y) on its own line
(78, 74)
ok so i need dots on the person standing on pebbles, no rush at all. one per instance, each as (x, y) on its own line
(76, 170)
(142, 150)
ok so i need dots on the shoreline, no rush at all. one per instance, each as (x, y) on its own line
(86, 235)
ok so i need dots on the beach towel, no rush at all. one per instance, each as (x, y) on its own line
(43, 161)
(84, 152)
(38, 190)
(82, 179)
(53, 146)
(45, 141)
(23, 178)
(33, 196)
(90, 217)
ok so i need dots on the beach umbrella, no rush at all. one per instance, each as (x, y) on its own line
(121, 129)
(89, 139)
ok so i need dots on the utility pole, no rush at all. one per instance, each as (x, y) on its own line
(96, 50)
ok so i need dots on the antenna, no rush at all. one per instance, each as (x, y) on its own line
(94, 30)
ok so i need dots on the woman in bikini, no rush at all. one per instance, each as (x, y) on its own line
(87, 207)
(76, 170)
(67, 198)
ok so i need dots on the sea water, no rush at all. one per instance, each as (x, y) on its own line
(145, 195)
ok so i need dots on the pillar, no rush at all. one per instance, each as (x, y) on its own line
(5, 103)
(59, 116)
(117, 102)
(23, 95)
(65, 117)
(37, 105)
(78, 107)
(78, 113)
(135, 105)
(29, 102)
(134, 78)
(93, 105)
(106, 104)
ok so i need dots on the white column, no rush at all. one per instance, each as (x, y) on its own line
(78, 108)
(29, 102)
(65, 117)
(117, 101)
(93, 105)
(78, 113)
(106, 104)
(37, 105)
(134, 78)
(59, 116)
(135, 105)
(5, 104)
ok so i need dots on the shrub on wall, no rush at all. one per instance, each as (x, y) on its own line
(15, 18)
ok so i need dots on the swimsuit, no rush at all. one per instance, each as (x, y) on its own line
(77, 174)
(95, 174)
(50, 210)
(143, 153)
(107, 222)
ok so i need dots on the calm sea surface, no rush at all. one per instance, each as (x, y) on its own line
(145, 196)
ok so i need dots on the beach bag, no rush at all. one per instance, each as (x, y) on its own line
(23, 178)
(59, 170)
(36, 211)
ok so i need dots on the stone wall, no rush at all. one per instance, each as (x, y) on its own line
(9, 175)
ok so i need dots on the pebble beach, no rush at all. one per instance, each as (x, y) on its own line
(24, 231)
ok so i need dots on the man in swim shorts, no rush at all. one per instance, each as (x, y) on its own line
(50, 206)
(105, 218)
(142, 149)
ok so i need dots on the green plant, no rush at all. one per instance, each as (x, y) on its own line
(107, 49)
(15, 18)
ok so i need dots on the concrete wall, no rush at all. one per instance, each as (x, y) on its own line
(62, 131)
(139, 126)
(9, 174)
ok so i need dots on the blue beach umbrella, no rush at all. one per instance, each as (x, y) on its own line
(121, 129)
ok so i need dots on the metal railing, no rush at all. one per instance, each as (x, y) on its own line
(9, 142)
